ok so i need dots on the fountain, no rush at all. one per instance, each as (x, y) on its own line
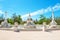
(5, 24)
(53, 24)
(30, 23)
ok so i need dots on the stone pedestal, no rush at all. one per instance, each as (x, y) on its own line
(44, 26)
(5, 24)
(53, 24)
(16, 27)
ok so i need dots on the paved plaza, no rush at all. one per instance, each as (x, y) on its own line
(29, 35)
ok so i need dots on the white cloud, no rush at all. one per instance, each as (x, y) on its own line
(56, 7)
(1, 12)
(34, 13)
(42, 11)
(47, 9)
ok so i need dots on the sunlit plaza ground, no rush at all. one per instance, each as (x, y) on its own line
(29, 20)
(29, 35)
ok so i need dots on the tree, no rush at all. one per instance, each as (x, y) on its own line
(17, 18)
(1, 18)
(10, 20)
(57, 19)
(44, 19)
(36, 21)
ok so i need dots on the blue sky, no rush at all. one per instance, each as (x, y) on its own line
(34, 7)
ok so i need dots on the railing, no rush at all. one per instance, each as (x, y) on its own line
(22, 27)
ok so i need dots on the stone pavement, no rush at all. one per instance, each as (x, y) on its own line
(29, 35)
